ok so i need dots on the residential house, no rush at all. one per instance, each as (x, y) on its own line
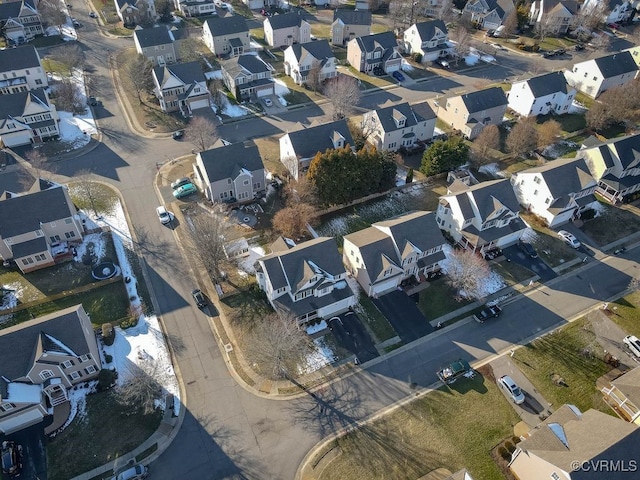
(614, 11)
(379, 50)
(195, 8)
(615, 164)
(227, 36)
(541, 95)
(233, 173)
(298, 148)
(489, 14)
(307, 280)
(349, 24)
(37, 228)
(553, 17)
(20, 21)
(27, 117)
(428, 39)
(471, 112)
(483, 216)
(623, 395)
(157, 44)
(550, 450)
(635, 53)
(286, 29)
(247, 76)
(382, 256)
(259, 4)
(21, 70)
(136, 12)
(558, 191)
(593, 77)
(41, 360)
(399, 126)
(315, 58)
(181, 87)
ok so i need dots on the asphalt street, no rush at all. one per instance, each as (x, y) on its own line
(228, 431)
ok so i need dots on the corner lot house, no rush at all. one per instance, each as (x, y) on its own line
(286, 29)
(157, 44)
(593, 77)
(40, 361)
(298, 148)
(548, 451)
(300, 60)
(20, 21)
(307, 281)
(541, 95)
(489, 14)
(553, 16)
(428, 39)
(247, 77)
(471, 112)
(136, 12)
(233, 173)
(181, 87)
(623, 395)
(399, 126)
(558, 191)
(382, 256)
(228, 36)
(36, 229)
(483, 216)
(21, 70)
(27, 117)
(349, 24)
(615, 164)
(380, 50)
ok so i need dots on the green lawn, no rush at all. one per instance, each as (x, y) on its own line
(627, 314)
(570, 122)
(438, 300)
(599, 228)
(447, 428)
(376, 321)
(585, 100)
(512, 272)
(550, 248)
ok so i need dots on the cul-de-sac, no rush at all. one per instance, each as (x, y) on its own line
(319, 239)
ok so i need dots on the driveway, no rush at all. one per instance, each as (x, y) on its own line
(534, 404)
(352, 335)
(609, 335)
(403, 315)
(34, 454)
(536, 265)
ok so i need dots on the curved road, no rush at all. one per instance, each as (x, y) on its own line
(229, 432)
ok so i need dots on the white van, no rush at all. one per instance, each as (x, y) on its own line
(498, 32)
(633, 344)
(137, 472)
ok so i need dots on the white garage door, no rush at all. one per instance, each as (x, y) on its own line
(20, 421)
(16, 139)
(385, 287)
(204, 103)
(263, 92)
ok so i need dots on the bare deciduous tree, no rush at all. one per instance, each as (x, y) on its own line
(52, 13)
(313, 77)
(191, 49)
(400, 11)
(589, 18)
(87, 193)
(523, 137)
(70, 55)
(467, 272)
(278, 345)
(300, 191)
(143, 386)
(601, 42)
(201, 132)
(343, 93)
(444, 12)
(67, 97)
(548, 25)
(37, 160)
(217, 90)
(489, 139)
(510, 23)
(292, 221)
(208, 234)
(548, 133)
(462, 41)
(138, 72)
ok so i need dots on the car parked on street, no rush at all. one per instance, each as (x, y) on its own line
(185, 190)
(163, 215)
(199, 298)
(633, 344)
(93, 15)
(512, 389)
(527, 248)
(490, 311)
(398, 76)
(180, 182)
(11, 455)
(137, 472)
(178, 134)
(569, 239)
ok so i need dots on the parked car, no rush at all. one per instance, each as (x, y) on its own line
(442, 62)
(488, 312)
(199, 298)
(497, 46)
(560, 51)
(94, 102)
(178, 134)
(453, 371)
(398, 76)
(613, 26)
(512, 389)
(93, 15)
(267, 102)
(579, 47)
(548, 54)
(527, 248)
(11, 458)
(180, 182)
(185, 190)
(137, 472)
(75, 22)
(163, 215)
(569, 239)
(633, 344)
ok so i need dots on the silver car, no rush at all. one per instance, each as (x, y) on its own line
(137, 472)
(569, 239)
(512, 389)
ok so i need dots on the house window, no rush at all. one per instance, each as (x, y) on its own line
(229, 181)
(67, 364)
(5, 407)
(555, 476)
(38, 81)
(67, 221)
(74, 375)
(537, 180)
(39, 233)
(54, 238)
(27, 261)
(387, 272)
(40, 257)
(257, 186)
(90, 369)
(45, 374)
(69, 235)
(535, 192)
(84, 358)
(246, 182)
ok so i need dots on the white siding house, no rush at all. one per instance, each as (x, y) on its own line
(541, 95)
(593, 77)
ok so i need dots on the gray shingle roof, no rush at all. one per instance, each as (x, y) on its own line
(226, 162)
(369, 43)
(20, 343)
(376, 248)
(12, 9)
(286, 20)
(489, 196)
(188, 73)
(309, 141)
(627, 150)
(427, 30)
(616, 64)
(547, 84)
(386, 115)
(151, 37)
(318, 49)
(352, 17)
(418, 228)
(565, 176)
(14, 105)
(19, 58)
(227, 25)
(24, 213)
(252, 63)
(484, 99)
(30, 247)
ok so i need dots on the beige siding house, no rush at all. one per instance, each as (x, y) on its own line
(227, 36)
(181, 87)
(471, 112)
(349, 24)
(399, 126)
(286, 29)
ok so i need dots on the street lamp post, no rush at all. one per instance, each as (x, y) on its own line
(413, 6)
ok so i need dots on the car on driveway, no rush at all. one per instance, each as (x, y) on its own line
(442, 63)
(11, 459)
(180, 182)
(527, 248)
(267, 102)
(633, 344)
(163, 215)
(490, 311)
(512, 389)
(185, 190)
(613, 26)
(569, 239)
(398, 76)
(199, 298)
(137, 472)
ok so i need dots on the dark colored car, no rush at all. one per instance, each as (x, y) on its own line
(11, 459)
(199, 298)
(178, 134)
(527, 248)
(560, 51)
(488, 312)
(579, 47)
(94, 102)
(548, 54)
(179, 182)
(398, 76)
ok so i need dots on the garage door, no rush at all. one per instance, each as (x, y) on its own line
(263, 92)
(20, 421)
(385, 287)
(16, 139)
(199, 104)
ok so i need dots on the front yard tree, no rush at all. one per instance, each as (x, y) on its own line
(216, 88)
(511, 22)
(164, 8)
(467, 272)
(314, 75)
(462, 41)
(343, 93)
(70, 55)
(138, 71)
(68, 98)
(548, 133)
(201, 133)
(192, 49)
(143, 386)
(444, 156)
(523, 137)
(52, 13)
(89, 194)
(489, 139)
(292, 221)
(208, 235)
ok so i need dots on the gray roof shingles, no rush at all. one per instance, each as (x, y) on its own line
(616, 64)
(151, 37)
(352, 17)
(19, 58)
(14, 105)
(385, 115)
(227, 25)
(484, 99)
(565, 176)
(369, 43)
(550, 83)
(419, 228)
(286, 20)
(318, 49)
(427, 30)
(226, 162)
(188, 73)
(309, 141)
